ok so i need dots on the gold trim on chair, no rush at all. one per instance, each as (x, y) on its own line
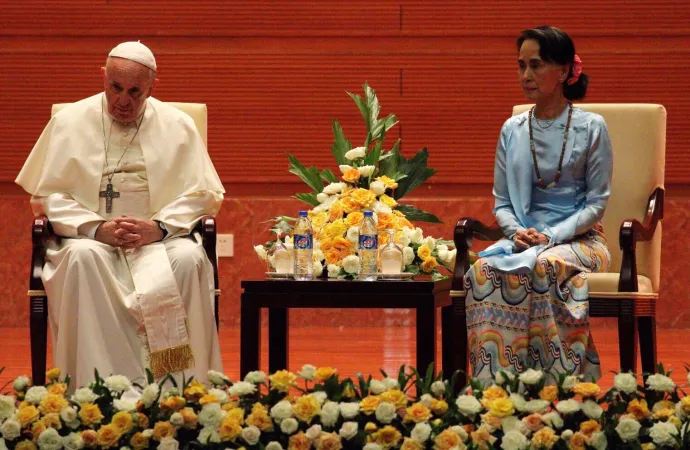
(36, 293)
(454, 293)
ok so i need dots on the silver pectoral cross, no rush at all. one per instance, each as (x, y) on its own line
(109, 195)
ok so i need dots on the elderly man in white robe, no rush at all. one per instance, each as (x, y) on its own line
(124, 178)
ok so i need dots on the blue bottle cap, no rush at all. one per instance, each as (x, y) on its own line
(303, 214)
(368, 213)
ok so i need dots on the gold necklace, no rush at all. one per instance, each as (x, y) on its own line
(533, 149)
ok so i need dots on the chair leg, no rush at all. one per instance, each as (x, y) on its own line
(38, 325)
(460, 342)
(647, 332)
(627, 342)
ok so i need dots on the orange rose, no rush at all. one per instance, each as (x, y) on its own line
(329, 441)
(90, 414)
(351, 175)
(586, 389)
(336, 212)
(589, 427)
(349, 205)
(417, 413)
(108, 436)
(388, 182)
(299, 441)
(142, 420)
(364, 197)
(90, 438)
(354, 219)
(27, 415)
(194, 391)
(306, 408)
(544, 438)
(638, 409)
(439, 407)
(411, 444)
(446, 440)
(385, 221)
(491, 393)
(533, 422)
(388, 437)
(324, 373)
(57, 388)
(428, 265)
(190, 418)
(578, 441)
(174, 403)
(259, 417)
(25, 445)
(549, 393)
(229, 429)
(122, 421)
(52, 420)
(139, 441)
(37, 428)
(162, 430)
(208, 398)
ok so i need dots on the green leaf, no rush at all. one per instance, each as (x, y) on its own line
(373, 157)
(308, 197)
(414, 214)
(383, 125)
(416, 170)
(363, 108)
(328, 176)
(412, 269)
(389, 162)
(340, 144)
(310, 175)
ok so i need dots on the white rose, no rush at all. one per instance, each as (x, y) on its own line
(421, 432)
(460, 431)
(320, 396)
(448, 258)
(512, 423)
(307, 372)
(504, 377)
(381, 208)
(313, 432)
(150, 394)
(7, 408)
(118, 383)
(344, 168)
(208, 434)
(659, 383)
(333, 188)
(390, 383)
(20, 383)
(519, 402)
(220, 394)
(404, 240)
(210, 415)
(274, 445)
(534, 406)
(70, 416)
(531, 377)
(662, 433)
(281, 411)
(377, 187)
(598, 440)
(168, 443)
(125, 405)
(260, 252)
(408, 255)
(329, 414)
(625, 382)
(73, 441)
(348, 430)
(430, 242)
(3, 446)
(468, 405)
(377, 387)
(416, 235)
(242, 388)
(333, 270)
(438, 388)
(592, 409)
(372, 446)
(357, 152)
(426, 400)
(351, 264)
(216, 378)
(366, 171)
(628, 429)
(385, 412)
(251, 434)
(35, 394)
(567, 434)
(147, 433)
(256, 377)
(353, 234)
(514, 440)
(569, 382)
(10, 429)
(176, 420)
(289, 425)
(321, 197)
(50, 439)
(568, 406)
(349, 410)
(553, 419)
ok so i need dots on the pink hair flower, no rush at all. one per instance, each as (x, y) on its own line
(577, 70)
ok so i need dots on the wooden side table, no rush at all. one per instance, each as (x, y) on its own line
(281, 295)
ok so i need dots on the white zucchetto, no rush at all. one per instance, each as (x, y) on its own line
(135, 51)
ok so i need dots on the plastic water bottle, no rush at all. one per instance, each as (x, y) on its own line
(303, 247)
(368, 247)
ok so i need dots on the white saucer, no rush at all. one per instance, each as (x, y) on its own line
(395, 276)
(278, 276)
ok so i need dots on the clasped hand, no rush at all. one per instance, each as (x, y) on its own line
(525, 239)
(128, 232)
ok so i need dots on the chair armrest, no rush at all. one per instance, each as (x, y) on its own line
(467, 229)
(41, 231)
(207, 229)
(633, 231)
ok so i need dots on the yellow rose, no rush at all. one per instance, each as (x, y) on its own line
(663, 414)
(139, 441)
(37, 428)
(354, 219)
(318, 220)
(282, 380)
(25, 445)
(306, 408)
(335, 229)
(411, 444)
(424, 252)
(396, 397)
(229, 429)
(162, 430)
(385, 221)
(685, 404)
(544, 438)
(388, 182)
(27, 415)
(417, 413)
(53, 374)
(236, 414)
(364, 197)
(491, 393)
(368, 404)
(428, 265)
(174, 403)
(329, 441)
(349, 391)
(388, 201)
(342, 245)
(370, 427)
(108, 436)
(502, 407)
(648, 446)
(589, 427)
(324, 373)
(336, 212)
(351, 175)
(190, 418)
(388, 436)
(578, 441)
(299, 441)
(52, 420)
(549, 393)
(123, 422)
(332, 256)
(349, 205)
(90, 414)
(259, 417)
(57, 388)
(208, 398)
(194, 391)
(482, 437)
(638, 409)
(90, 438)
(439, 407)
(586, 389)
(447, 439)
(52, 403)
(675, 421)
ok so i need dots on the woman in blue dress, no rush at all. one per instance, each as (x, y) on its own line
(527, 298)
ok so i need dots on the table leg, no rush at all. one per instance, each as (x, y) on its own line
(426, 335)
(278, 343)
(250, 336)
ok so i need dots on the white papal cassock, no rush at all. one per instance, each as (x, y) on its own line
(121, 310)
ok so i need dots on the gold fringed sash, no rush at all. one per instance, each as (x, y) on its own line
(170, 360)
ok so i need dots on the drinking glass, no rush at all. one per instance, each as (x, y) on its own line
(391, 261)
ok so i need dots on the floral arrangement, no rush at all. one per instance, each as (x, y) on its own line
(373, 179)
(317, 409)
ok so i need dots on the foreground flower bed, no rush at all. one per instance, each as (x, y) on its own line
(315, 408)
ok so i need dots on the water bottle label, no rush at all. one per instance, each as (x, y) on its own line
(368, 242)
(302, 241)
